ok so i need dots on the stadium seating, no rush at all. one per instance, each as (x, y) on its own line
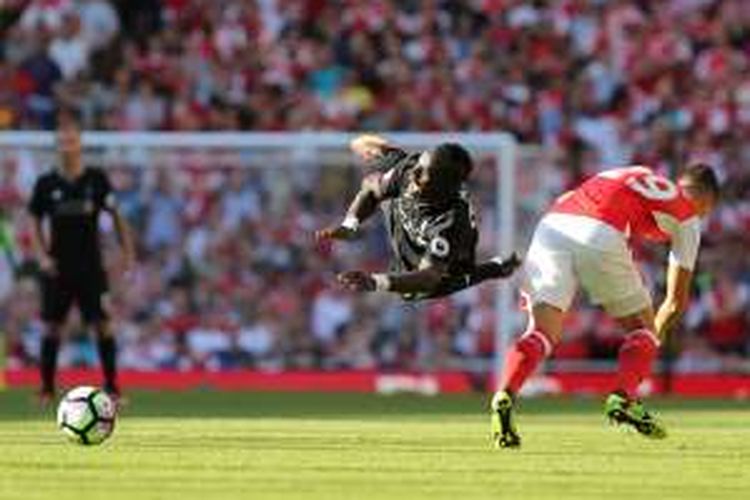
(601, 83)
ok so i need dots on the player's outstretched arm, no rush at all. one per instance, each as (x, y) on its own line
(365, 204)
(682, 257)
(375, 187)
(368, 146)
(676, 300)
(424, 281)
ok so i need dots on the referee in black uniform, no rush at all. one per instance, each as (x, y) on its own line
(69, 198)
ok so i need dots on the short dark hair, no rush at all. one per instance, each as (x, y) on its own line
(452, 163)
(701, 177)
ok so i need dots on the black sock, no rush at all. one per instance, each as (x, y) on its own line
(48, 362)
(108, 358)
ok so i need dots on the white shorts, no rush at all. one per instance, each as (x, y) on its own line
(567, 250)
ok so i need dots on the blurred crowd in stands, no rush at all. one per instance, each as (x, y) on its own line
(226, 275)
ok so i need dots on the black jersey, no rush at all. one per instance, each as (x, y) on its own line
(73, 208)
(425, 232)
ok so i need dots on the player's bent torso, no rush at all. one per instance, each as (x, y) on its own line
(419, 230)
(634, 201)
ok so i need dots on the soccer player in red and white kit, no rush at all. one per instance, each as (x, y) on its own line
(583, 240)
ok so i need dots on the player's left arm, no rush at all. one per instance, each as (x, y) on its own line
(676, 300)
(364, 204)
(682, 258)
(369, 146)
(122, 228)
(423, 281)
(380, 185)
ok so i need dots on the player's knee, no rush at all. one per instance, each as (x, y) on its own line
(642, 318)
(552, 339)
(635, 322)
(547, 320)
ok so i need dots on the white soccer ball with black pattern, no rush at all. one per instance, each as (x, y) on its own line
(86, 415)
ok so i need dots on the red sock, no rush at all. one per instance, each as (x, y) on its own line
(636, 355)
(523, 358)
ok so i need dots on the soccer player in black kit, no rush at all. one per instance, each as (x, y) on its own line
(71, 197)
(429, 217)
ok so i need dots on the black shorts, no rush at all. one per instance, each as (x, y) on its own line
(88, 290)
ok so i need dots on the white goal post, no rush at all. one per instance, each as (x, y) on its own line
(503, 148)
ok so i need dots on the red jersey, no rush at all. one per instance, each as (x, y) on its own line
(639, 204)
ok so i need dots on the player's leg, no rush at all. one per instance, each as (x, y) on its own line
(495, 268)
(613, 280)
(550, 286)
(543, 331)
(92, 300)
(56, 302)
(107, 347)
(49, 348)
(635, 360)
(637, 352)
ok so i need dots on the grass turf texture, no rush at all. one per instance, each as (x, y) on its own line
(206, 445)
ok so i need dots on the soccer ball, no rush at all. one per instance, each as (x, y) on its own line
(86, 415)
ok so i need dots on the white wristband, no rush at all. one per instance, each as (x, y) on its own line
(350, 222)
(382, 282)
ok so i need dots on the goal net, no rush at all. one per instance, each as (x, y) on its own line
(229, 276)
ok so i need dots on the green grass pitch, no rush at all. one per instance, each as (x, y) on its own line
(211, 445)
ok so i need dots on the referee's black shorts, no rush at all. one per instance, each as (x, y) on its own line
(87, 289)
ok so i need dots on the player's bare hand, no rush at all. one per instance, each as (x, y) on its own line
(356, 281)
(335, 233)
